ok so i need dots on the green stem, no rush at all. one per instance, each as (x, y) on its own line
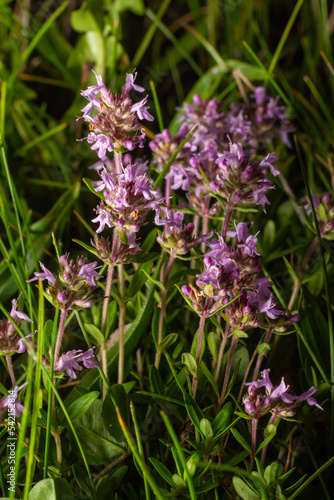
(121, 320)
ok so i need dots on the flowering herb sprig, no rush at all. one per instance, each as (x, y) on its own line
(242, 181)
(115, 126)
(277, 400)
(76, 280)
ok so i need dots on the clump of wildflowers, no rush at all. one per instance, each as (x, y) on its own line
(10, 340)
(258, 121)
(115, 126)
(75, 282)
(277, 400)
(178, 238)
(128, 197)
(208, 117)
(242, 181)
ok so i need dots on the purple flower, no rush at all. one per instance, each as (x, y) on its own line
(241, 180)
(45, 275)
(269, 307)
(129, 83)
(70, 360)
(18, 315)
(278, 400)
(258, 122)
(76, 281)
(115, 126)
(128, 198)
(177, 238)
(141, 110)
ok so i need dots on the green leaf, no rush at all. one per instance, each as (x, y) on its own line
(269, 234)
(208, 375)
(117, 478)
(81, 478)
(223, 419)
(89, 248)
(144, 257)
(95, 333)
(91, 188)
(243, 490)
(263, 350)
(79, 407)
(270, 473)
(51, 489)
(206, 428)
(156, 282)
(156, 381)
(241, 440)
(190, 362)
(169, 340)
(194, 412)
(98, 443)
(83, 19)
(292, 273)
(162, 470)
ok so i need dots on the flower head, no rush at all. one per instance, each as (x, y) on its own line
(70, 360)
(74, 284)
(241, 180)
(277, 400)
(128, 198)
(115, 125)
(177, 238)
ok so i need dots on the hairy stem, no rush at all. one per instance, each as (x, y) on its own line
(198, 352)
(254, 429)
(163, 309)
(118, 162)
(205, 225)
(121, 321)
(228, 369)
(259, 357)
(264, 449)
(227, 217)
(60, 334)
(11, 371)
(105, 311)
(221, 351)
